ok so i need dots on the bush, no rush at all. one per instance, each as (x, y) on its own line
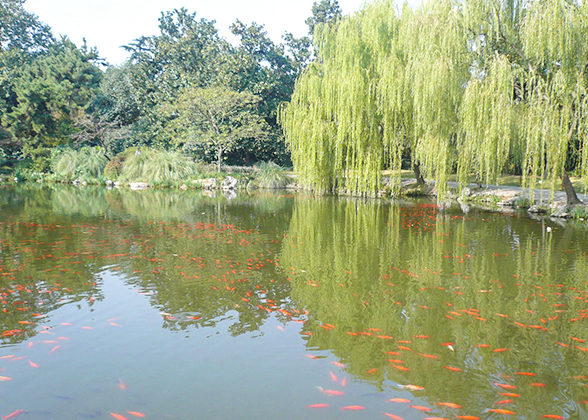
(270, 175)
(87, 163)
(157, 166)
(113, 168)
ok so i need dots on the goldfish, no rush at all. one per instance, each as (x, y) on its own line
(317, 406)
(13, 415)
(392, 416)
(118, 416)
(136, 413)
(525, 373)
(454, 369)
(353, 407)
(5, 378)
(468, 417)
(398, 400)
(500, 411)
(330, 391)
(510, 394)
(552, 416)
(334, 377)
(420, 408)
(450, 405)
(505, 386)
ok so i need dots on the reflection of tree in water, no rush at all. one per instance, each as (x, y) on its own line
(173, 245)
(408, 295)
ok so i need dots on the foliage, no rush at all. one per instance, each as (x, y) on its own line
(270, 175)
(157, 166)
(86, 163)
(218, 118)
(472, 85)
(323, 12)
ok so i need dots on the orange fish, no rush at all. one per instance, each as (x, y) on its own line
(525, 373)
(398, 400)
(5, 378)
(538, 384)
(121, 384)
(503, 402)
(317, 406)
(468, 417)
(338, 364)
(499, 411)
(400, 368)
(499, 350)
(369, 372)
(509, 394)
(13, 415)
(552, 416)
(505, 386)
(482, 345)
(331, 392)
(54, 349)
(33, 364)
(420, 408)
(392, 416)
(429, 356)
(118, 416)
(334, 377)
(454, 369)
(396, 361)
(136, 413)
(450, 405)
(344, 381)
(353, 407)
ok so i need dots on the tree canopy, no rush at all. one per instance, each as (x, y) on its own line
(467, 85)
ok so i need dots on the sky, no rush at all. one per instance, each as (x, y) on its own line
(109, 24)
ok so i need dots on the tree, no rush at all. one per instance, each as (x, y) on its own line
(323, 12)
(465, 85)
(51, 93)
(219, 118)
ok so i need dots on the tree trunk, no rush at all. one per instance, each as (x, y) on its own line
(219, 159)
(571, 196)
(417, 174)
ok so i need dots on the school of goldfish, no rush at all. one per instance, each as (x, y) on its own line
(36, 277)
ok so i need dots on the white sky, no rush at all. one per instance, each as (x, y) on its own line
(108, 24)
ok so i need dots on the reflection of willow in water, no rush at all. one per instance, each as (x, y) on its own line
(172, 245)
(407, 294)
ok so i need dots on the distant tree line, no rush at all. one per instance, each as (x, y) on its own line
(185, 89)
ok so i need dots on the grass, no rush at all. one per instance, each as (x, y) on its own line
(157, 166)
(270, 176)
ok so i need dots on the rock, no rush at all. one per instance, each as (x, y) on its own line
(116, 184)
(229, 183)
(76, 182)
(138, 185)
(466, 192)
(536, 209)
(183, 187)
(206, 183)
(109, 183)
(561, 212)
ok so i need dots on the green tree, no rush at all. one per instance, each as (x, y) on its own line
(219, 118)
(51, 93)
(323, 12)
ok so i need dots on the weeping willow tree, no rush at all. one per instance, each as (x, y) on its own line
(528, 90)
(462, 85)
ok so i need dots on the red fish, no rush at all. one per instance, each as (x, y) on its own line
(420, 408)
(353, 407)
(454, 369)
(525, 373)
(331, 392)
(468, 417)
(13, 415)
(552, 416)
(500, 411)
(509, 394)
(33, 364)
(121, 384)
(398, 400)
(392, 416)
(505, 386)
(450, 405)
(136, 413)
(503, 402)
(334, 377)
(317, 406)
(118, 416)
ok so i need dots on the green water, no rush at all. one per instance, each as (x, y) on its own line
(176, 305)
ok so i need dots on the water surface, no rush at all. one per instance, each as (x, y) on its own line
(178, 305)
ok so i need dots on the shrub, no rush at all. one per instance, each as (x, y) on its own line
(270, 175)
(157, 166)
(87, 163)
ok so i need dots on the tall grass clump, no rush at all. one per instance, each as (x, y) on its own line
(157, 166)
(271, 176)
(86, 163)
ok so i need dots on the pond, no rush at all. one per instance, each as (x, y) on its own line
(177, 305)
